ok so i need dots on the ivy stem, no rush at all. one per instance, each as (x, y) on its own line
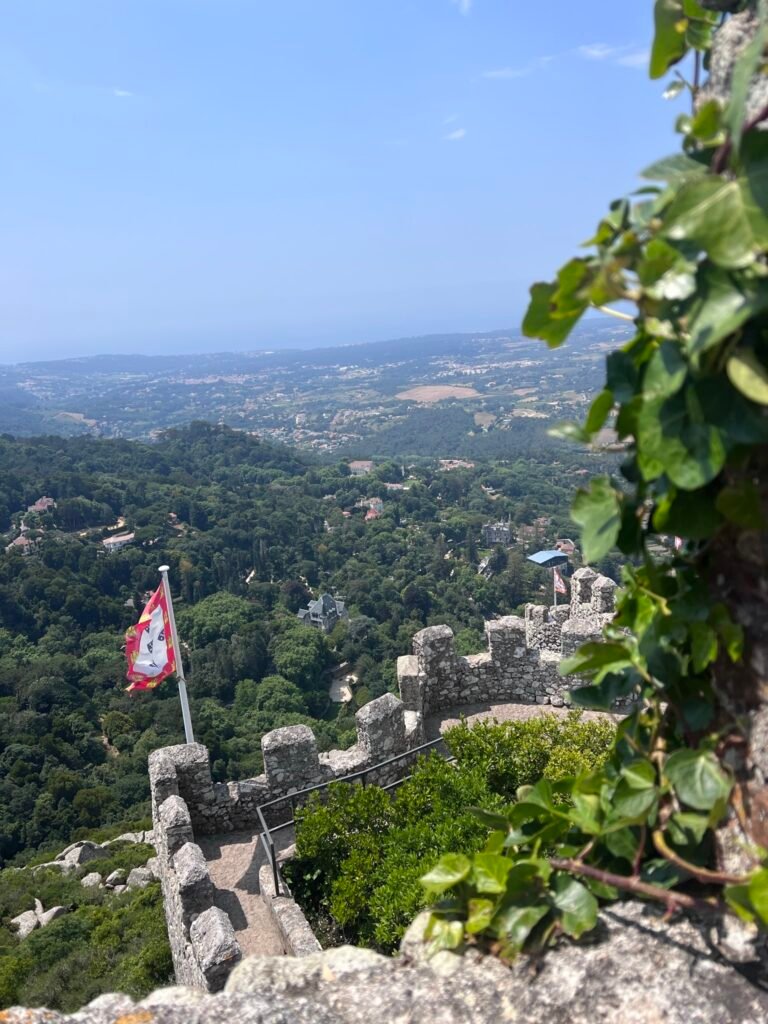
(615, 312)
(721, 155)
(669, 897)
(699, 873)
(640, 851)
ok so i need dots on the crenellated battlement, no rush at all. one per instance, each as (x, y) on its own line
(522, 657)
(520, 664)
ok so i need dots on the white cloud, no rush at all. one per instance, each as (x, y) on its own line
(456, 136)
(509, 72)
(465, 6)
(600, 51)
(635, 60)
(121, 93)
(528, 69)
(450, 119)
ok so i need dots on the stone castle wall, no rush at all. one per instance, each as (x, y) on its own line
(202, 940)
(186, 802)
(522, 657)
(520, 665)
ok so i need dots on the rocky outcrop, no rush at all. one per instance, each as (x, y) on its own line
(635, 969)
(24, 924)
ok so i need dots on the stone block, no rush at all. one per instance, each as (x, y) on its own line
(290, 758)
(604, 596)
(116, 877)
(174, 820)
(91, 880)
(506, 639)
(410, 682)
(215, 947)
(193, 879)
(581, 588)
(381, 727)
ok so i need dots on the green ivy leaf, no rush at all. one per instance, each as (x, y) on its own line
(697, 778)
(675, 168)
(712, 212)
(687, 829)
(602, 696)
(639, 774)
(480, 915)
(490, 818)
(540, 321)
(737, 898)
(444, 934)
(632, 806)
(703, 645)
(748, 375)
(690, 453)
(489, 872)
(665, 372)
(451, 869)
(515, 924)
(577, 905)
(621, 375)
(593, 656)
(598, 513)
(598, 411)
(622, 843)
(669, 44)
(758, 893)
(724, 301)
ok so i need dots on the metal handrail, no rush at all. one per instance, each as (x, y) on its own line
(266, 832)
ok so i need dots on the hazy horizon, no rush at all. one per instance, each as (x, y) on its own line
(185, 178)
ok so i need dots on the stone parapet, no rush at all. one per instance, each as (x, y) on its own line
(201, 937)
(293, 927)
(522, 659)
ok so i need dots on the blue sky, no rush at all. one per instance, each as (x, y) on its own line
(207, 175)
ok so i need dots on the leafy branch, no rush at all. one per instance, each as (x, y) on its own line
(687, 398)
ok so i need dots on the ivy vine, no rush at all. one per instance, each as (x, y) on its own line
(688, 399)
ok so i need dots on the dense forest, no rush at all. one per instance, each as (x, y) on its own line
(251, 533)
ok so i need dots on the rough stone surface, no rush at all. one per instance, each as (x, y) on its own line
(730, 41)
(116, 877)
(636, 969)
(50, 915)
(215, 946)
(82, 853)
(139, 878)
(295, 931)
(91, 880)
(57, 865)
(25, 923)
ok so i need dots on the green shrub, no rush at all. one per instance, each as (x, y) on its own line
(514, 754)
(107, 943)
(360, 852)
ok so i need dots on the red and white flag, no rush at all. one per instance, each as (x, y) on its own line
(560, 586)
(149, 645)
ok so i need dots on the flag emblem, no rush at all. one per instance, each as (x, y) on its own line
(560, 586)
(149, 645)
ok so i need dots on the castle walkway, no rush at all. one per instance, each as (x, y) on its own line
(437, 723)
(233, 863)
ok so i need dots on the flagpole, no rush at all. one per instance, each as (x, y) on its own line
(554, 583)
(163, 569)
